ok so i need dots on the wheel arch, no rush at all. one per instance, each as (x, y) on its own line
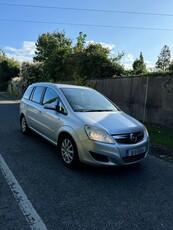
(66, 130)
(21, 116)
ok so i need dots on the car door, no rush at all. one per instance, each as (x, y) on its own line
(51, 119)
(34, 109)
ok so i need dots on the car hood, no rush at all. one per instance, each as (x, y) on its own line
(112, 122)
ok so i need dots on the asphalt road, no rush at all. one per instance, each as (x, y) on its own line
(136, 197)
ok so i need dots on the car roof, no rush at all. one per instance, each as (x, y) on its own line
(59, 85)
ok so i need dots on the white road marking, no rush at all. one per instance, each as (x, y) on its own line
(26, 207)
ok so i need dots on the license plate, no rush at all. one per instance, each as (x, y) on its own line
(134, 152)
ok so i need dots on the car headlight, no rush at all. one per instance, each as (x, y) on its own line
(146, 131)
(97, 134)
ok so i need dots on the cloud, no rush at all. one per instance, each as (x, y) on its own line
(105, 45)
(25, 53)
(128, 60)
(20, 58)
(150, 65)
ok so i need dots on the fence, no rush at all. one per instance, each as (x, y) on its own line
(149, 99)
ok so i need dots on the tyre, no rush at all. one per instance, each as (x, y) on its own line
(24, 126)
(68, 150)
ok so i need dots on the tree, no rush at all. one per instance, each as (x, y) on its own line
(9, 69)
(80, 45)
(31, 73)
(139, 66)
(54, 51)
(77, 58)
(2, 55)
(95, 62)
(171, 66)
(164, 58)
(62, 61)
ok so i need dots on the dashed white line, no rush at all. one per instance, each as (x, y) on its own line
(25, 205)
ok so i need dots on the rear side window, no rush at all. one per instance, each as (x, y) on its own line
(37, 95)
(27, 93)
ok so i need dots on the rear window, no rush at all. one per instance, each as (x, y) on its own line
(27, 93)
(37, 95)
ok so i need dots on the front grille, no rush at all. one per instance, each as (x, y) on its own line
(129, 138)
(134, 158)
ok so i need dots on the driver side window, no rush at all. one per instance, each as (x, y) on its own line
(50, 96)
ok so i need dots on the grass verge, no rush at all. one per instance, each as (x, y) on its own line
(160, 136)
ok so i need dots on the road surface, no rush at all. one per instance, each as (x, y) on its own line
(38, 192)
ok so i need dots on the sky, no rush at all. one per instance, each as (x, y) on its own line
(129, 26)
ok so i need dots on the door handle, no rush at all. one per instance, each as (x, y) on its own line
(42, 112)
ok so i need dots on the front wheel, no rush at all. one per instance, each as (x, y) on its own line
(68, 151)
(24, 126)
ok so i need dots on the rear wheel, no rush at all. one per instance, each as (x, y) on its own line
(68, 151)
(24, 126)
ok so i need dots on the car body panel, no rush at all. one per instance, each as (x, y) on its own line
(113, 122)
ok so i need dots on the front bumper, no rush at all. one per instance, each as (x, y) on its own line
(97, 153)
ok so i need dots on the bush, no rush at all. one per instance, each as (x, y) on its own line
(31, 73)
(3, 86)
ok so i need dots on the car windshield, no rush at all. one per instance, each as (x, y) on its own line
(87, 100)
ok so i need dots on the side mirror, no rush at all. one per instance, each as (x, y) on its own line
(60, 108)
(50, 106)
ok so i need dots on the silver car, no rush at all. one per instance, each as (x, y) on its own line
(85, 125)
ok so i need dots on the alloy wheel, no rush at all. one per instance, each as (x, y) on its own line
(67, 151)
